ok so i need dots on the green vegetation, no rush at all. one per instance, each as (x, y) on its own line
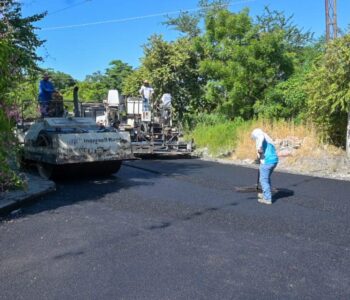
(18, 59)
(219, 137)
(95, 87)
(328, 91)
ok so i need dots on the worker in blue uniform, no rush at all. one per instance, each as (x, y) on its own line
(46, 90)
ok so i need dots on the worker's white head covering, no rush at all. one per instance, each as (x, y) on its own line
(259, 136)
(258, 133)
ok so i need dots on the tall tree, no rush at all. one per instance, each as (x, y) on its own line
(173, 68)
(328, 87)
(61, 80)
(95, 86)
(18, 44)
(288, 99)
(272, 20)
(90, 91)
(243, 62)
(95, 77)
(132, 83)
(116, 73)
(186, 23)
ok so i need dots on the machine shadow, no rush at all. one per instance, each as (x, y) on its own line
(72, 190)
(167, 156)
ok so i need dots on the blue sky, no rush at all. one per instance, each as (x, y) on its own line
(123, 26)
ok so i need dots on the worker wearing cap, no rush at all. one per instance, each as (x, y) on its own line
(268, 161)
(46, 89)
(146, 92)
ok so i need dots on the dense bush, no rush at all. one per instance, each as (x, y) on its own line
(215, 134)
(18, 44)
(8, 177)
(328, 88)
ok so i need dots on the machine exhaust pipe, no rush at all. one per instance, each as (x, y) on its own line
(76, 101)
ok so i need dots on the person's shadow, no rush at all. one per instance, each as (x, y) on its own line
(281, 193)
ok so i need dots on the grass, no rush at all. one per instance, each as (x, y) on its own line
(218, 138)
(278, 130)
(235, 136)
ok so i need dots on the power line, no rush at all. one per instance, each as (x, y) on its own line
(68, 7)
(132, 18)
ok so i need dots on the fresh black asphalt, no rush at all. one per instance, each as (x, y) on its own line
(178, 229)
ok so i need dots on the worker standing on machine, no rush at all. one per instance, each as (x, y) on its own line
(46, 90)
(166, 108)
(146, 92)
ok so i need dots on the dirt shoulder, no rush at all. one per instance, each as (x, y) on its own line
(334, 167)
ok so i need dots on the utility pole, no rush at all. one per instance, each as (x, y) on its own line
(331, 19)
(331, 33)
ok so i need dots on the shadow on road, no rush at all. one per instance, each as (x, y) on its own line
(190, 216)
(72, 190)
(282, 193)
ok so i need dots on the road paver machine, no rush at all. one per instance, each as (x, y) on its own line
(151, 131)
(62, 143)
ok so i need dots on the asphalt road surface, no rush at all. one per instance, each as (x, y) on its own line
(177, 229)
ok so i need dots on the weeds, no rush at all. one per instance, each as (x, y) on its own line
(221, 137)
(9, 178)
(279, 131)
(216, 135)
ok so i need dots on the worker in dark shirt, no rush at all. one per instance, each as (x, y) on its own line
(46, 89)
